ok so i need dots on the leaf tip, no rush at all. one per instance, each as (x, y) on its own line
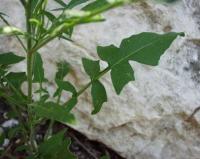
(181, 34)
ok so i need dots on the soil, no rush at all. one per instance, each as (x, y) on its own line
(81, 146)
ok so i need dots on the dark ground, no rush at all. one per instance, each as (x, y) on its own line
(81, 146)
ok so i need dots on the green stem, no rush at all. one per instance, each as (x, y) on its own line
(90, 83)
(18, 38)
(65, 26)
(29, 55)
(50, 128)
(29, 76)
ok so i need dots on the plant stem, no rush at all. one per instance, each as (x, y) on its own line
(50, 128)
(29, 55)
(90, 83)
(65, 26)
(29, 76)
(18, 38)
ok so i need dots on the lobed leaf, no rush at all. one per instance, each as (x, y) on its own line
(98, 92)
(92, 68)
(99, 96)
(145, 48)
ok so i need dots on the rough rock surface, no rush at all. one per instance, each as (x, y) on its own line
(147, 121)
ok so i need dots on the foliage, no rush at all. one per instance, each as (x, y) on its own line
(43, 26)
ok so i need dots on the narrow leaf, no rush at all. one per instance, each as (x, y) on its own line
(65, 85)
(61, 3)
(55, 112)
(9, 30)
(99, 96)
(63, 70)
(71, 104)
(38, 70)
(96, 5)
(105, 157)
(74, 3)
(23, 2)
(16, 78)
(50, 16)
(10, 58)
(2, 137)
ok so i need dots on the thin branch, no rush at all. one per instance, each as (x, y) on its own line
(18, 38)
(107, 69)
(193, 114)
(83, 146)
(65, 26)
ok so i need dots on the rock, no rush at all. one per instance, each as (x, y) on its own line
(148, 119)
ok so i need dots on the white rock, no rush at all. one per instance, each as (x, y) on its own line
(10, 123)
(147, 121)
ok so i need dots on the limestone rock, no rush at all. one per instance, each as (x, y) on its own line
(148, 119)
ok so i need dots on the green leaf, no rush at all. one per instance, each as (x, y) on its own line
(10, 58)
(2, 14)
(105, 157)
(2, 137)
(14, 131)
(99, 96)
(16, 79)
(71, 104)
(38, 70)
(22, 148)
(145, 48)
(71, 14)
(41, 90)
(44, 98)
(50, 16)
(121, 75)
(92, 68)
(9, 30)
(102, 4)
(55, 112)
(23, 2)
(61, 3)
(74, 3)
(65, 85)
(63, 70)
(96, 5)
(56, 147)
